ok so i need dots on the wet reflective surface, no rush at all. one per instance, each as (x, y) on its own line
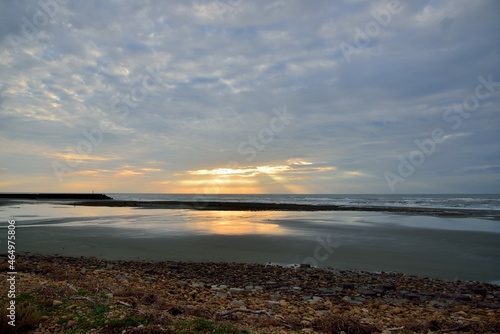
(453, 248)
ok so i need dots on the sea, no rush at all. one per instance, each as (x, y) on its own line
(463, 201)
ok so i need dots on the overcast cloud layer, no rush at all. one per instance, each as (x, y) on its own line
(250, 96)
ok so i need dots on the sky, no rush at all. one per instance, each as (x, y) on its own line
(239, 96)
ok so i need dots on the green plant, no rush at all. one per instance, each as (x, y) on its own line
(27, 317)
(199, 326)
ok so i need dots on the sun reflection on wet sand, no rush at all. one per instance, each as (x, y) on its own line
(235, 222)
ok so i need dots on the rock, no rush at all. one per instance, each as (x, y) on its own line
(367, 292)
(272, 303)
(329, 291)
(275, 297)
(347, 286)
(315, 299)
(392, 300)
(237, 303)
(383, 307)
(479, 291)
(385, 287)
(198, 284)
(305, 265)
(221, 294)
(351, 301)
(465, 297)
(436, 303)
(492, 306)
(109, 267)
(70, 324)
(83, 271)
(236, 291)
(56, 302)
(412, 296)
(396, 310)
(283, 302)
(249, 287)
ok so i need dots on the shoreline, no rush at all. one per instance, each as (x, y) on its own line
(167, 294)
(445, 247)
(257, 206)
(103, 200)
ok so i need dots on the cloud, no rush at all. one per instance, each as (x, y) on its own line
(184, 83)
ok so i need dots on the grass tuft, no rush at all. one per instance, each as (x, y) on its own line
(27, 317)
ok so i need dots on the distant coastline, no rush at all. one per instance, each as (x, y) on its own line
(58, 196)
(258, 206)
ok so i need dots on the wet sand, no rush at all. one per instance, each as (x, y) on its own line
(346, 240)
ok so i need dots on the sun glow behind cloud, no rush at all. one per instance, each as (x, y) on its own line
(285, 178)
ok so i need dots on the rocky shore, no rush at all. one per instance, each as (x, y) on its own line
(259, 206)
(87, 295)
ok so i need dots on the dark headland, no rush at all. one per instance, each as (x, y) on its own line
(59, 196)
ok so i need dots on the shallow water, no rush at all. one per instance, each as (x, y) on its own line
(452, 248)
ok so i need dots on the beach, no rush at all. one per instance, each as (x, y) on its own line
(79, 294)
(349, 253)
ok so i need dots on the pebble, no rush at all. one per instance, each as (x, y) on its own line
(347, 286)
(396, 310)
(412, 296)
(275, 297)
(236, 291)
(70, 324)
(198, 284)
(367, 292)
(383, 307)
(464, 297)
(221, 294)
(238, 303)
(315, 299)
(295, 295)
